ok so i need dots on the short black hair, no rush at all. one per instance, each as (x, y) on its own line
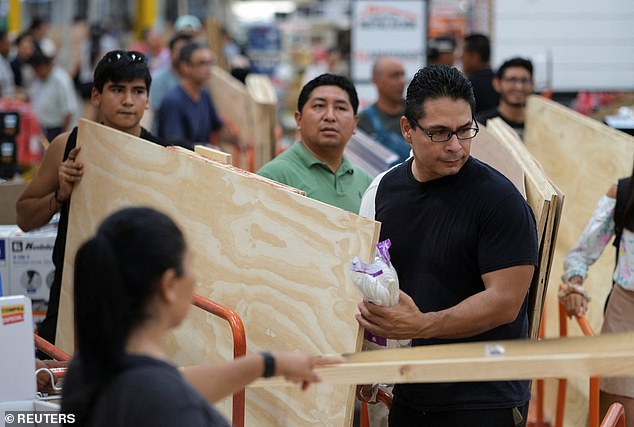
(328, 80)
(515, 62)
(23, 35)
(478, 43)
(178, 37)
(37, 22)
(121, 66)
(433, 82)
(188, 50)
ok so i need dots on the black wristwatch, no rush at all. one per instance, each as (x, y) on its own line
(269, 364)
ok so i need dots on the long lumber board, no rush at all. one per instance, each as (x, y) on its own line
(546, 202)
(577, 357)
(277, 258)
(583, 158)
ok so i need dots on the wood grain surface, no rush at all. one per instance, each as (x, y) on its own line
(576, 357)
(277, 258)
(583, 158)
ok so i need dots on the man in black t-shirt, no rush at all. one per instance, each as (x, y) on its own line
(476, 57)
(464, 244)
(514, 82)
(120, 93)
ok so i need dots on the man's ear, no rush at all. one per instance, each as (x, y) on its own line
(497, 85)
(95, 97)
(406, 130)
(298, 120)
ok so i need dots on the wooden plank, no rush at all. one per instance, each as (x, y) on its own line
(264, 97)
(277, 258)
(546, 204)
(577, 357)
(251, 111)
(235, 106)
(583, 158)
(213, 154)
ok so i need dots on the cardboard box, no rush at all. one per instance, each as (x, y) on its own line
(17, 359)
(5, 233)
(10, 192)
(31, 268)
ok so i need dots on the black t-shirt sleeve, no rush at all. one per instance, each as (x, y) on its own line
(508, 236)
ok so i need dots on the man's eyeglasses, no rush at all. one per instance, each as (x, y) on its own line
(203, 63)
(517, 80)
(125, 55)
(445, 135)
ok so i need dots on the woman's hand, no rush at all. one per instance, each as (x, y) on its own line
(573, 296)
(298, 367)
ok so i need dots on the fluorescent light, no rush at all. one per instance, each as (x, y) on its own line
(260, 10)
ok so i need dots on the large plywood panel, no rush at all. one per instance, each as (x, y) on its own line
(492, 151)
(250, 110)
(545, 201)
(583, 158)
(277, 258)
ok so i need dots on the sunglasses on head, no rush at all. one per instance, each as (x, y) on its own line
(125, 55)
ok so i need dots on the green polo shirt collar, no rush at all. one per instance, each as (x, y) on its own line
(309, 160)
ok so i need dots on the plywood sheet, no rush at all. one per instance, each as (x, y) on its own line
(579, 357)
(583, 158)
(277, 258)
(250, 110)
(489, 149)
(546, 202)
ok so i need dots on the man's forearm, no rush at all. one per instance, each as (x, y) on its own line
(36, 211)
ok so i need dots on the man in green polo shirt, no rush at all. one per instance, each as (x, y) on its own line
(326, 117)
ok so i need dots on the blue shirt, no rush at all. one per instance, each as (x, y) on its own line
(181, 118)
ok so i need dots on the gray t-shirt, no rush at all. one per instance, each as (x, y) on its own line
(147, 393)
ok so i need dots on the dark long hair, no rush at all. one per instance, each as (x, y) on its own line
(116, 274)
(628, 213)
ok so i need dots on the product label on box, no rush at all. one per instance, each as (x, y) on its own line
(12, 314)
(31, 266)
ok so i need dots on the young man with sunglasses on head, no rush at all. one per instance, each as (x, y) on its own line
(464, 244)
(120, 93)
(514, 82)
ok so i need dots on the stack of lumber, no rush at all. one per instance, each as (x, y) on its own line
(277, 258)
(584, 158)
(546, 201)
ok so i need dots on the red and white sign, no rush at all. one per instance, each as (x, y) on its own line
(386, 28)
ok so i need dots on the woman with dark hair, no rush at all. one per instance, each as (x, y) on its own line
(613, 216)
(133, 284)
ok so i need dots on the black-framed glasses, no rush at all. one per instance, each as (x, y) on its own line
(444, 135)
(518, 80)
(125, 55)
